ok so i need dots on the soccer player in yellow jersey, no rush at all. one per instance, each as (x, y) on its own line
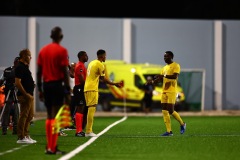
(169, 77)
(95, 72)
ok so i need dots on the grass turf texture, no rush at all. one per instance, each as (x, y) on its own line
(215, 138)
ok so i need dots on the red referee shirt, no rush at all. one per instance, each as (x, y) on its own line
(52, 58)
(80, 69)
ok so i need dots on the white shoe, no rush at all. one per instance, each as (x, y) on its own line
(24, 140)
(30, 139)
(90, 134)
(61, 133)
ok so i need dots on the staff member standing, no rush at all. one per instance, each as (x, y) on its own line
(25, 85)
(53, 70)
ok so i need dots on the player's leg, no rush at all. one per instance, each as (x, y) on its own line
(16, 113)
(54, 99)
(6, 113)
(166, 114)
(176, 115)
(85, 112)
(91, 101)
(79, 103)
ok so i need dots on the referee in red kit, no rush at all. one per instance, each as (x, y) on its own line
(53, 84)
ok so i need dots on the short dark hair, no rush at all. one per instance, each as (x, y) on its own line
(56, 33)
(101, 52)
(80, 54)
(170, 53)
(24, 52)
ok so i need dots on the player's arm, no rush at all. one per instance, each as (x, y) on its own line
(39, 82)
(71, 70)
(39, 78)
(158, 78)
(67, 85)
(81, 79)
(20, 88)
(66, 78)
(173, 76)
(79, 73)
(105, 80)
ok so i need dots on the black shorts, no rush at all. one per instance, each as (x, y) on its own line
(53, 93)
(78, 94)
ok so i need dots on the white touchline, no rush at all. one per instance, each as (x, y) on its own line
(81, 147)
(14, 149)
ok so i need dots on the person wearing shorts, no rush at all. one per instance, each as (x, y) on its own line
(169, 77)
(95, 72)
(54, 91)
(80, 72)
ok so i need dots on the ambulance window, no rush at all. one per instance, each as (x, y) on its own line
(138, 81)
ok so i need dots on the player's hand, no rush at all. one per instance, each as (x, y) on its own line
(41, 96)
(119, 84)
(29, 96)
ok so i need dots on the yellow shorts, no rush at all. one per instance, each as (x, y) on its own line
(91, 98)
(169, 97)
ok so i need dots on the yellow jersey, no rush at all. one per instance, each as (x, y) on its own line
(95, 69)
(170, 85)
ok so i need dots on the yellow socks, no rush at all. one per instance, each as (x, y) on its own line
(90, 116)
(177, 117)
(167, 120)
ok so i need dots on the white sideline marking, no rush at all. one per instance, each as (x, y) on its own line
(81, 147)
(11, 150)
(215, 135)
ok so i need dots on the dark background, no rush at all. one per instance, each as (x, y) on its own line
(171, 9)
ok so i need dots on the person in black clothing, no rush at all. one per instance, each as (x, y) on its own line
(25, 85)
(11, 107)
(148, 94)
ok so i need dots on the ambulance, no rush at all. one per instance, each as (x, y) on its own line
(133, 76)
